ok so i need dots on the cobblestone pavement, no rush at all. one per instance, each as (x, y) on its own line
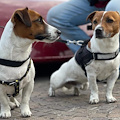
(65, 106)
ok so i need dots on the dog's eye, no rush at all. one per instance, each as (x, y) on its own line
(95, 21)
(109, 20)
(40, 20)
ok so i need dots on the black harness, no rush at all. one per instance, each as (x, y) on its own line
(12, 63)
(16, 82)
(84, 57)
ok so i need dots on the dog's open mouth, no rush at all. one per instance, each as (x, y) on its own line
(99, 36)
(47, 37)
(43, 36)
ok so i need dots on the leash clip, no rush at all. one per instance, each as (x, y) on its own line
(79, 42)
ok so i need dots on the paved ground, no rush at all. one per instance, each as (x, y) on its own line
(65, 106)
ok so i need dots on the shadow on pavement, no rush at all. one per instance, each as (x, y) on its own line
(46, 69)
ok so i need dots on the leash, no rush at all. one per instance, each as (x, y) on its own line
(76, 42)
(68, 42)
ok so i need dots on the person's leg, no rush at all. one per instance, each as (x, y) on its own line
(113, 5)
(68, 16)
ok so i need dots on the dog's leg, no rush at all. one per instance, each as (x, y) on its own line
(26, 93)
(5, 108)
(94, 98)
(76, 91)
(13, 102)
(110, 84)
(51, 92)
(79, 87)
(53, 87)
(56, 81)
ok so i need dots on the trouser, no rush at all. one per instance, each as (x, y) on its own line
(69, 15)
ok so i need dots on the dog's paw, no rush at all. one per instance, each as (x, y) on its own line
(16, 103)
(13, 103)
(94, 99)
(51, 92)
(111, 100)
(84, 86)
(25, 111)
(5, 114)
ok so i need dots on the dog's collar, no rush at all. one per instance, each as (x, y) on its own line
(104, 56)
(15, 83)
(11, 63)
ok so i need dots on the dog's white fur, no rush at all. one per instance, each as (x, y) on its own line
(13, 47)
(101, 70)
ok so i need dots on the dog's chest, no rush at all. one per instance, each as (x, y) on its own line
(11, 74)
(103, 69)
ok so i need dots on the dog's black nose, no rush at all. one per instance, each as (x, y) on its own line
(58, 32)
(99, 33)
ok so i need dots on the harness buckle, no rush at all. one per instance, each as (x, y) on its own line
(95, 56)
(12, 83)
(16, 82)
(16, 87)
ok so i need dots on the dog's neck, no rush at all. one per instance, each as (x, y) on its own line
(107, 45)
(13, 47)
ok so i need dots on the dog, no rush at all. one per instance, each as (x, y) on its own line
(16, 67)
(97, 60)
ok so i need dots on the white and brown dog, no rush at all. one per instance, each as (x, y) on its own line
(99, 59)
(16, 68)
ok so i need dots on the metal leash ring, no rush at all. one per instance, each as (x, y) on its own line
(79, 42)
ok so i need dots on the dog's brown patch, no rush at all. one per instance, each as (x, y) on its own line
(28, 23)
(110, 21)
(89, 44)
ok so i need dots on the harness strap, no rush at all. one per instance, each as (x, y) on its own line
(11, 63)
(15, 83)
(84, 57)
(105, 56)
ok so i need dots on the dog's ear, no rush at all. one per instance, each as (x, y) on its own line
(23, 16)
(90, 16)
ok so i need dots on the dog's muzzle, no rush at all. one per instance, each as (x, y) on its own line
(41, 37)
(99, 33)
(47, 36)
(58, 32)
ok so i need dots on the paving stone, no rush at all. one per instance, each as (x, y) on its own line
(66, 106)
